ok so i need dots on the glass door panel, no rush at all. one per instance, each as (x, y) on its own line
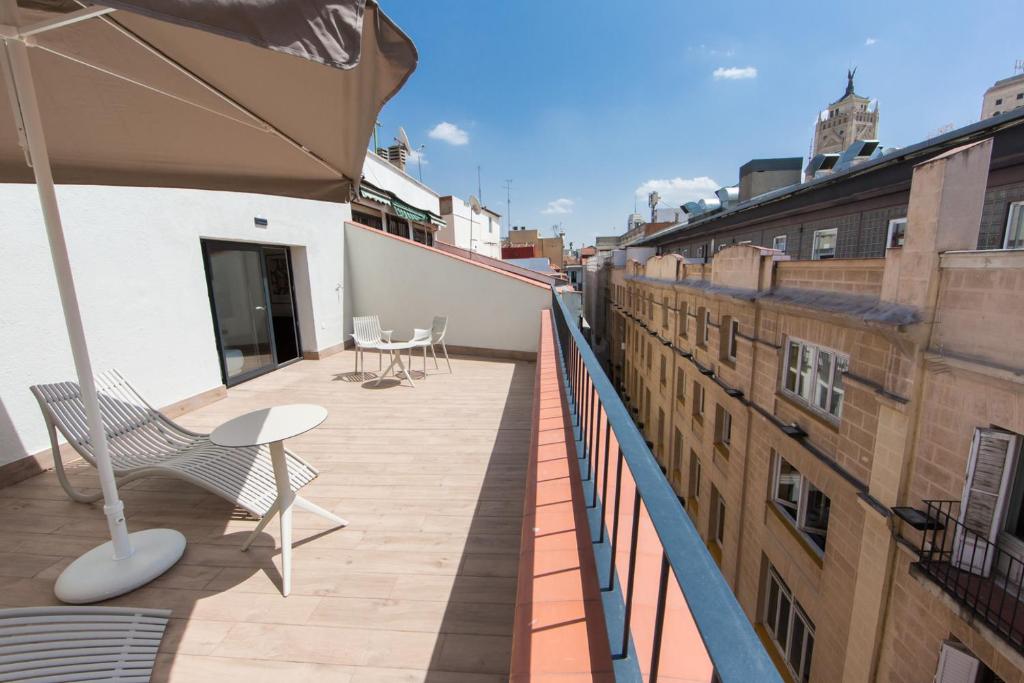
(240, 307)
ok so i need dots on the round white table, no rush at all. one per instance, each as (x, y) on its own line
(272, 426)
(395, 349)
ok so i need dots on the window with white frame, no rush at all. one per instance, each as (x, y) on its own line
(800, 501)
(897, 233)
(790, 628)
(730, 328)
(779, 242)
(814, 375)
(698, 399)
(723, 426)
(824, 244)
(703, 326)
(1015, 227)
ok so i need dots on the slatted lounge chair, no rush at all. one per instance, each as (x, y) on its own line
(367, 334)
(144, 442)
(80, 643)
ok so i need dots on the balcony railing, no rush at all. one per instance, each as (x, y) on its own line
(978, 574)
(668, 608)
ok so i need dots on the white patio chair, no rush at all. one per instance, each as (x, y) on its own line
(435, 335)
(144, 442)
(80, 643)
(367, 334)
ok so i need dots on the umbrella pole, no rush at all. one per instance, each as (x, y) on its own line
(120, 566)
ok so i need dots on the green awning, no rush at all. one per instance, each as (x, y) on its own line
(367, 191)
(408, 212)
(436, 220)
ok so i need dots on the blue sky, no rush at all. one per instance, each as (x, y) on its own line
(583, 103)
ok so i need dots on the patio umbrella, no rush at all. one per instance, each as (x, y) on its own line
(267, 96)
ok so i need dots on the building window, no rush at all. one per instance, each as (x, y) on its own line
(824, 244)
(674, 472)
(779, 243)
(791, 630)
(664, 313)
(723, 427)
(801, 502)
(897, 233)
(650, 354)
(367, 219)
(1015, 227)
(698, 400)
(999, 100)
(703, 326)
(680, 386)
(717, 517)
(815, 376)
(682, 319)
(664, 372)
(730, 328)
(693, 486)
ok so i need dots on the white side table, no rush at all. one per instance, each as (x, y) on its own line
(395, 349)
(272, 426)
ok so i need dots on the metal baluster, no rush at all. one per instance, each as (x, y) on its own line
(591, 413)
(632, 572)
(584, 397)
(659, 619)
(615, 521)
(596, 458)
(604, 480)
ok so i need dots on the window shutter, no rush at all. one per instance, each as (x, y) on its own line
(956, 665)
(985, 492)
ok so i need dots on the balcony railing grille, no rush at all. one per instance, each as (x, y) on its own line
(659, 581)
(985, 577)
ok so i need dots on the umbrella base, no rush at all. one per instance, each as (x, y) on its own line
(97, 576)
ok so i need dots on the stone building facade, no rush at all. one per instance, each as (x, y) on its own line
(804, 409)
(849, 118)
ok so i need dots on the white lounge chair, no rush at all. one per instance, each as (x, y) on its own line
(144, 442)
(367, 334)
(80, 643)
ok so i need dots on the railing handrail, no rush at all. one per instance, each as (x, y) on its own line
(728, 636)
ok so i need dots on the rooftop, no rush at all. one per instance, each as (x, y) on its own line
(420, 586)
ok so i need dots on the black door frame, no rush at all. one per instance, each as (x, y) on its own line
(258, 248)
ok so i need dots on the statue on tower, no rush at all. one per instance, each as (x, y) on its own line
(850, 73)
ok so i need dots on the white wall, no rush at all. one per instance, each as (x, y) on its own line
(407, 284)
(138, 266)
(485, 230)
(384, 175)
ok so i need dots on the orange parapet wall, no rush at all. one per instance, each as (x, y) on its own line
(559, 621)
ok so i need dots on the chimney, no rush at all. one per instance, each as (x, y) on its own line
(759, 176)
(396, 155)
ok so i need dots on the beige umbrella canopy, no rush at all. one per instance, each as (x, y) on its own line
(211, 94)
(269, 96)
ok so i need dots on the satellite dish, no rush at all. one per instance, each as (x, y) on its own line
(474, 204)
(403, 139)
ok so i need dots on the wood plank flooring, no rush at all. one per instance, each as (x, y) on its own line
(419, 587)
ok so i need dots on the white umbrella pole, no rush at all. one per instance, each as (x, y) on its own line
(29, 107)
(116, 567)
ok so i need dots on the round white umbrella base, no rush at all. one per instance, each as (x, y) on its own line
(96, 575)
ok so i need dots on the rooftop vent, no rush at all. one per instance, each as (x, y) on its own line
(728, 196)
(857, 153)
(821, 165)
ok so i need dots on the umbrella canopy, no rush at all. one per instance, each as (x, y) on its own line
(268, 96)
(209, 94)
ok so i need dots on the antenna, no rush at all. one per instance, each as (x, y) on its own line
(376, 125)
(474, 205)
(508, 202)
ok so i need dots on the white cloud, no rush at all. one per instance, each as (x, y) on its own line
(678, 191)
(734, 73)
(450, 133)
(870, 41)
(561, 205)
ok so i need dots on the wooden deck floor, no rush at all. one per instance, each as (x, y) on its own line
(419, 587)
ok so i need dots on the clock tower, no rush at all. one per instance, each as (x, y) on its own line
(849, 118)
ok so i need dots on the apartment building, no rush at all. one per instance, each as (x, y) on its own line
(845, 432)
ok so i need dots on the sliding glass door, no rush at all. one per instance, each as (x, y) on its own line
(253, 305)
